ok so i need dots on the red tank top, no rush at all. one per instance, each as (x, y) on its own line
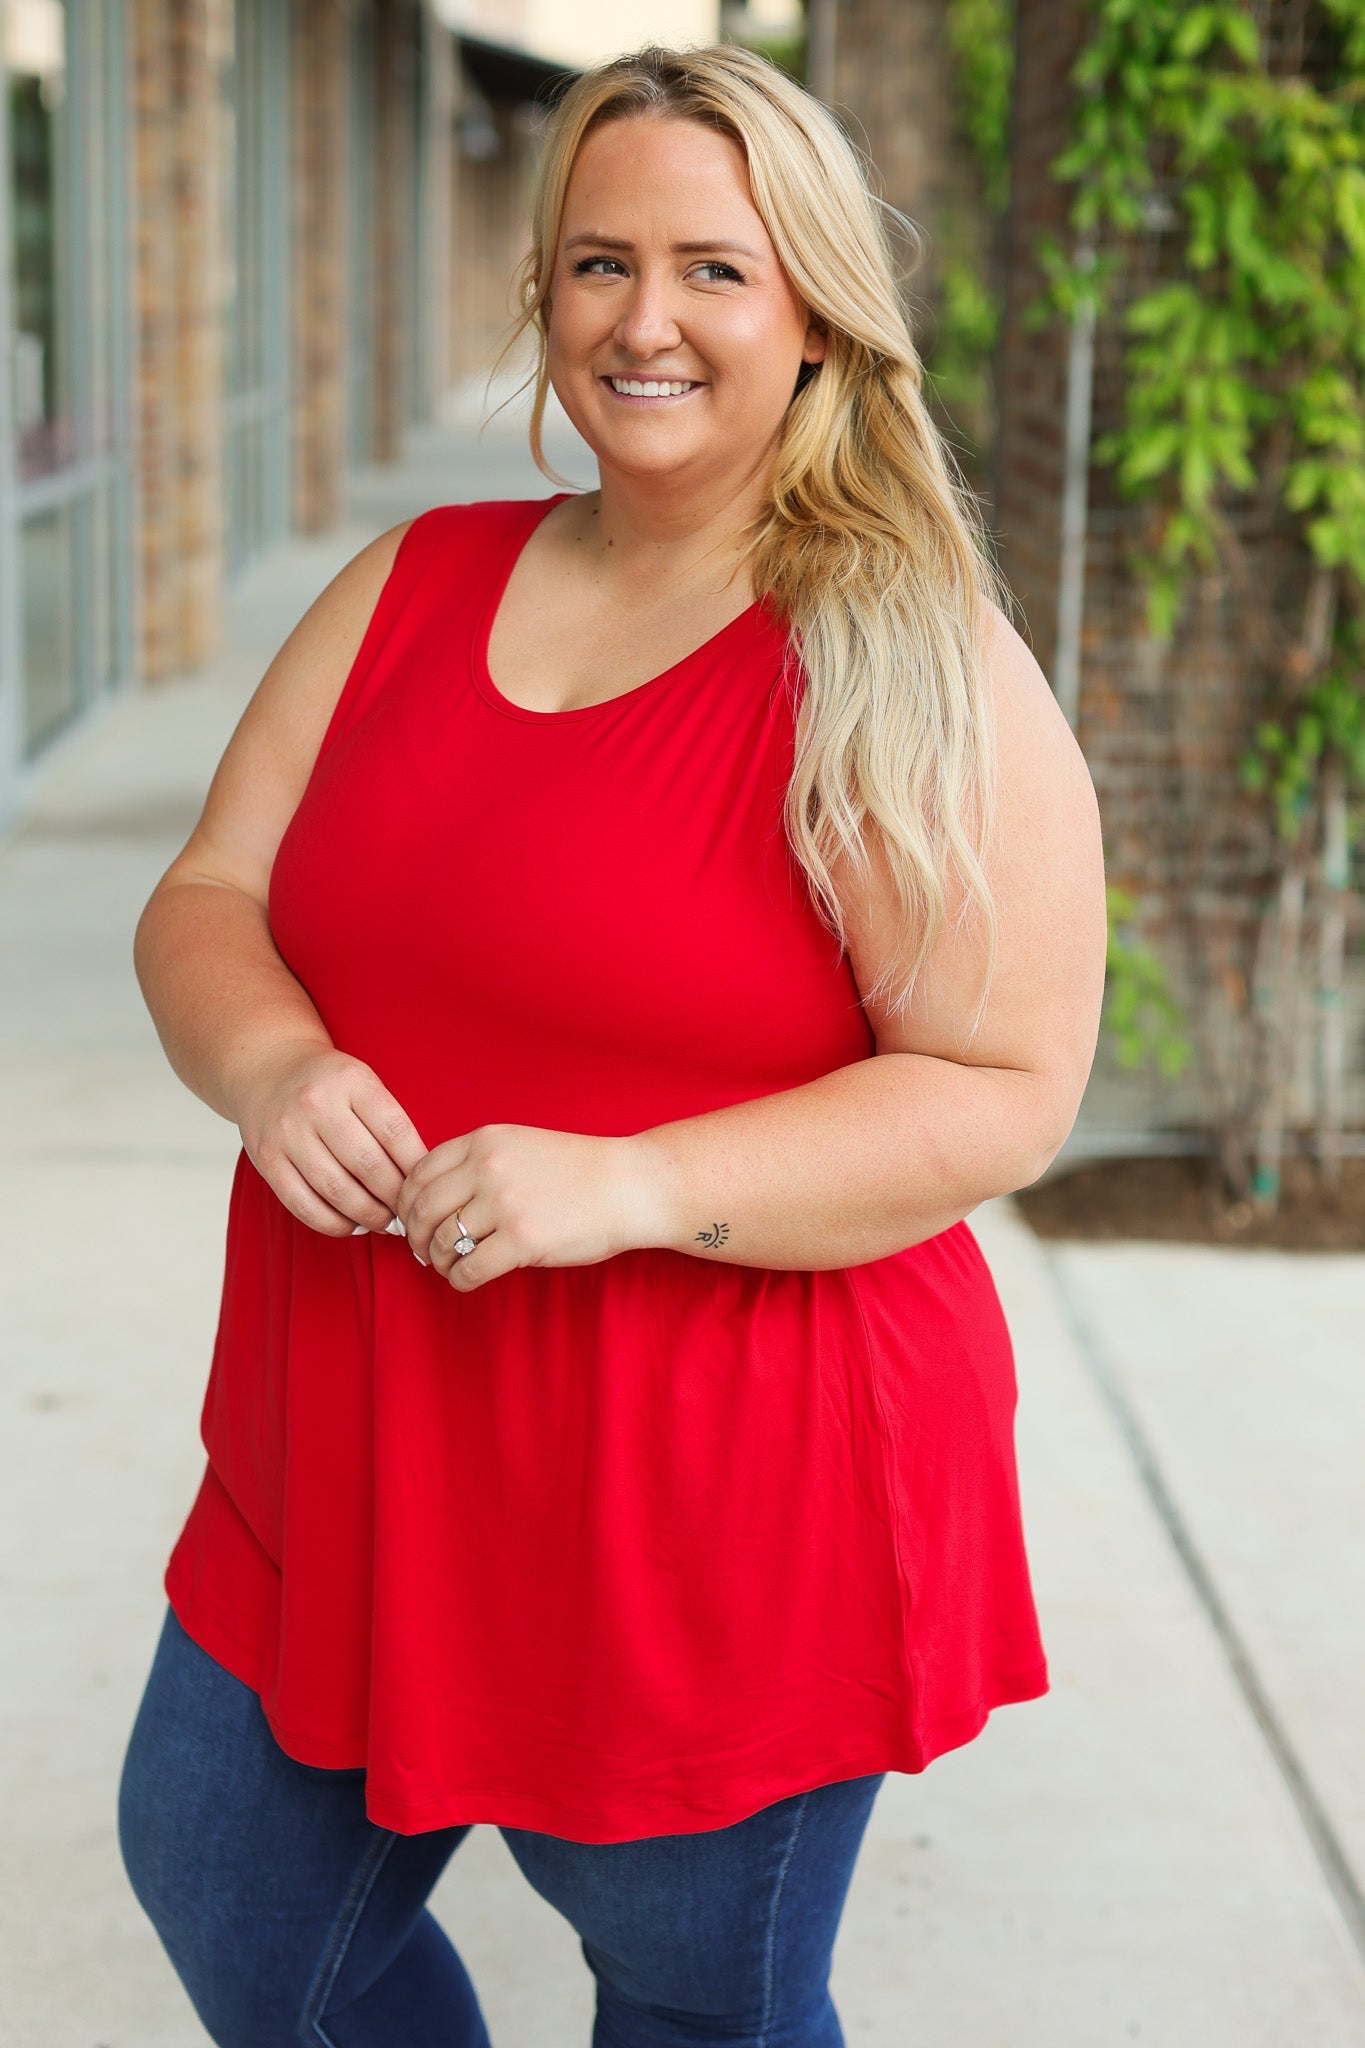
(603, 1551)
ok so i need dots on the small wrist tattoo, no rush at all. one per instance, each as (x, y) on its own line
(717, 1234)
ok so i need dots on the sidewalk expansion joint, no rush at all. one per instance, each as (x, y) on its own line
(1336, 1866)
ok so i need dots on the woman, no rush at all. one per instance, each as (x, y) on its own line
(556, 908)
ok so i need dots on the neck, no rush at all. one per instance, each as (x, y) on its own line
(672, 527)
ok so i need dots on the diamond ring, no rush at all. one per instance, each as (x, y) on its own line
(464, 1243)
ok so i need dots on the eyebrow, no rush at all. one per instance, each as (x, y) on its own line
(678, 248)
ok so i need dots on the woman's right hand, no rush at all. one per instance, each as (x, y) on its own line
(326, 1134)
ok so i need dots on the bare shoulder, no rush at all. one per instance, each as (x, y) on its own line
(1032, 733)
(1045, 870)
(269, 758)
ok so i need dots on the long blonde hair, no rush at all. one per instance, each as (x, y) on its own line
(869, 544)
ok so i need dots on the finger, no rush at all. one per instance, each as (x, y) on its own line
(389, 1123)
(337, 1186)
(492, 1256)
(354, 1146)
(450, 1156)
(435, 1203)
(437, 1242)
(438, 1213)
(303, 1201)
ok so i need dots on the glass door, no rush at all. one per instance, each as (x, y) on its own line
(65, 566)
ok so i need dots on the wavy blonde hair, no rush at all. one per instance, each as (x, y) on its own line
(868, 544)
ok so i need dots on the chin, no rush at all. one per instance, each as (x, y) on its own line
(665, 461)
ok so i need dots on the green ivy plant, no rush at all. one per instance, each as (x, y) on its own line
(1264, 329)
(1244, 372)
(1287, 758)
(980, 39)
(1140, 1011)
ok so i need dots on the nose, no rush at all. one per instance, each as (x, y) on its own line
(648, 322)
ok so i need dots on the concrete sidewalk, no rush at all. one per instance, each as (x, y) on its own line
(1165, 1850)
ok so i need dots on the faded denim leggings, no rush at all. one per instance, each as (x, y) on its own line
(290, 1917)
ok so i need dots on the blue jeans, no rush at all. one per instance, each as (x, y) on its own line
(290, 1917)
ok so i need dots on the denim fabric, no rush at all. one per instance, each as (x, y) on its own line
(290, 1917)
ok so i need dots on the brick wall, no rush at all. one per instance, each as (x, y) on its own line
(893, 90)
(397, 78)
(1161, 732)
(1033, 366)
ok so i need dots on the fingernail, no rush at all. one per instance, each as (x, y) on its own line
(394, 1227)
(360, 1230)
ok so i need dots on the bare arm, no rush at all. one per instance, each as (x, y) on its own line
(884, 1153)
(237, 1026)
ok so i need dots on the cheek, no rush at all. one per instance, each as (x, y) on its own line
(576, 321)
(759, 353)
(763, 329)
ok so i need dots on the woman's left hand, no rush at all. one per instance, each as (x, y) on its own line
(528, 1197)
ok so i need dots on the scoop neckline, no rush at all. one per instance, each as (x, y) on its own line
(482, 675)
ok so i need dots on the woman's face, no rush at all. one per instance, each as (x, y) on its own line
(665, 277)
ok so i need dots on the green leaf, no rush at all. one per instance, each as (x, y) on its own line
(1349, 193)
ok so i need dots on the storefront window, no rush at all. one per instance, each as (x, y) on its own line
(64, 504)
(40, 212)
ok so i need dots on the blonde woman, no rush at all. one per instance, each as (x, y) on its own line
(631, 931)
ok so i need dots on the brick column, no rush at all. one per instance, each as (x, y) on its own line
(397, 61)
(318, 309)
(441, 60)
(154, 285)
(179, 286)
(202, 28)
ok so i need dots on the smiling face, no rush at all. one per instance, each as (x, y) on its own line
(675, 337)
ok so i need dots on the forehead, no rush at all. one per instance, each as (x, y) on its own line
(652, 168)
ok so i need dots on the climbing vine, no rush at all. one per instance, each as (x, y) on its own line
(1141, 1016)
(980, 38)
(1237, 128)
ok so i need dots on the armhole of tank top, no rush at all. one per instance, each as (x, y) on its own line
(404, 574)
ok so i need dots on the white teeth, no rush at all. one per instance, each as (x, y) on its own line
(631, 387)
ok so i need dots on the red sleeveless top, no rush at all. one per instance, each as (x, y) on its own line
(603, 1551)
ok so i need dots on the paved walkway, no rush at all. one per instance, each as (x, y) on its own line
(1167, 1850)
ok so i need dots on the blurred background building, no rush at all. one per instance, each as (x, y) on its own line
(244, 245)
(247, 245)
